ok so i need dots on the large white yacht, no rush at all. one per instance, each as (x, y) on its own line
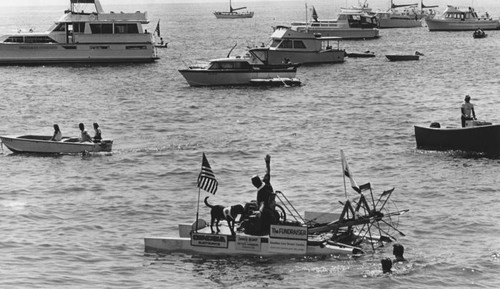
(288, 45)
(348, 25)
(461, 19)
(84, 34)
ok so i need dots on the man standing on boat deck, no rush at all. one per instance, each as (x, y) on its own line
(265, 199)
(467, 110)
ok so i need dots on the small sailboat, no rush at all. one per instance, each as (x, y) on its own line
(232, 13)
(159, 42)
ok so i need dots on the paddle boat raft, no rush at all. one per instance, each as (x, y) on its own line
(317, 233)
(39, 144)
(477, 136)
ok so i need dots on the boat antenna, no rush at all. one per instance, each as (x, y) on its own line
(232, 49)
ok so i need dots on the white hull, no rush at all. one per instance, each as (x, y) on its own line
(205, 243)
(332, 56)
(200, 77)
(14, 53)
(344, 33)
(43, 145)
(458, 25)
(83, 37)
(233, 15)
(399, 23)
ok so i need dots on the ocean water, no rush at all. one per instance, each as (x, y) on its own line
(79, 222)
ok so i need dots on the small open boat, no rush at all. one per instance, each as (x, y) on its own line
(479, 34)
(479, 137)
(43, 145)
(365, 54)
(277, 81)
(404, 57)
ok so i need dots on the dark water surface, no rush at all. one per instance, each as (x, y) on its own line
(76, 222)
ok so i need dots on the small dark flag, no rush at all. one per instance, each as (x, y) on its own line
(206, 179)
(157, 29)
(315, 14)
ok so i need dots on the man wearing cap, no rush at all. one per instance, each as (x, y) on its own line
(467, 110)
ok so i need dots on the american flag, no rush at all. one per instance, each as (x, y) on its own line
(206, 179)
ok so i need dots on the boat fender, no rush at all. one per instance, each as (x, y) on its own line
(435, 125)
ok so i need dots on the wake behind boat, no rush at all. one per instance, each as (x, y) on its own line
(84, 34)
(43, 145)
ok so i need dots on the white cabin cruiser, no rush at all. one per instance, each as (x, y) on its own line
(348, 25)
(233, 71)
(462, 19)
(288, 45)
(84, 34)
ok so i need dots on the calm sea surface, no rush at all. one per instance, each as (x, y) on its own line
(73, 222)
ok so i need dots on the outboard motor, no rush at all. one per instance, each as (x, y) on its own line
(435, 125)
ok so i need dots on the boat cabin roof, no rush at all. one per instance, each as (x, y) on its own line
(284, 32)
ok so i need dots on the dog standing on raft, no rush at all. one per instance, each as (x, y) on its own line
(229, 214)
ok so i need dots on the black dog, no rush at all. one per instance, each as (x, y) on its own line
(229, 214)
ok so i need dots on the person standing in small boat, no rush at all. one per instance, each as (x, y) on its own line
(97, 133)
(468, 112)
(57, 136)
(85, 137)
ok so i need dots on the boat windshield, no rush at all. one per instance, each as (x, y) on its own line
(243, 65)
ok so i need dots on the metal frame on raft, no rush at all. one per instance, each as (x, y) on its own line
(355, 223)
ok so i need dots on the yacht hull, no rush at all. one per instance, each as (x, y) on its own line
(201, 77)
(458, 25)
(344, 33)
(25, 53)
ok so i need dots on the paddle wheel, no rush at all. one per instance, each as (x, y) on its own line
(363, 220)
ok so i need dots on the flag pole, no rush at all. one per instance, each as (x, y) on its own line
(343, 171)
(197, 210)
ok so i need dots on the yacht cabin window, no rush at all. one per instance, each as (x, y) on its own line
(98, 28)
(298, 44)
(79, 27)
(286, 44)
(126, 28)
(60, 27)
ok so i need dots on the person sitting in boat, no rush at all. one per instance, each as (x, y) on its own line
(265, 200)
(85, 137)
(97, 134)
(57, 136)
(468, 112)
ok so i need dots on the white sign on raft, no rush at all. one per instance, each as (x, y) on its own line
(209, 240)
(288, 239)
(247, 243)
